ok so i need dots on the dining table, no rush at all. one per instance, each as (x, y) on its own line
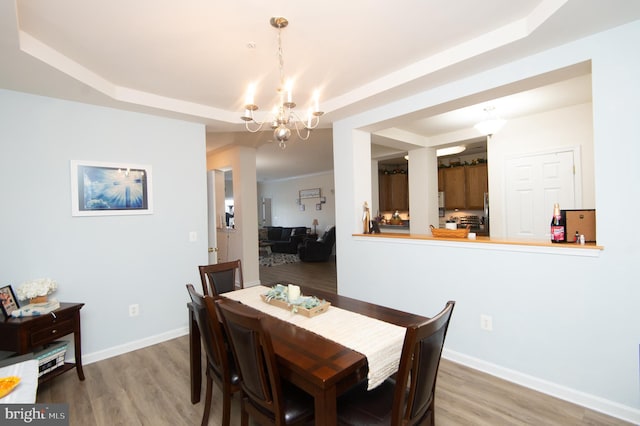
(315, 363)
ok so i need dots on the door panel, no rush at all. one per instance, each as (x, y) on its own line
(534, 183)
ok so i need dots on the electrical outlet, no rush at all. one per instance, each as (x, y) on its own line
(486, 322)
(134, 310)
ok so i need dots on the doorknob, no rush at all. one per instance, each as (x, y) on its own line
(212, 249)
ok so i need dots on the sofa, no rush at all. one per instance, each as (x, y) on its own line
(318, 250)
(283, 239)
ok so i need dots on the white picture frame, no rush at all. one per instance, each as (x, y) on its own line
(309, 193)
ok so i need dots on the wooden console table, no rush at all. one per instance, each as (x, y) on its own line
(27, 334)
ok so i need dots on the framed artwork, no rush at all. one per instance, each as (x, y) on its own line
(9, 301)
(323, 200)
(301, 207)
(319, 206)
(310, 193)
(106, 189)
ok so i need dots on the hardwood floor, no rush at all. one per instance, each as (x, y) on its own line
(150, 386)
(321, 275)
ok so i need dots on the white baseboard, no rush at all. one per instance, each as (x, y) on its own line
(132, 346)
(592, 402)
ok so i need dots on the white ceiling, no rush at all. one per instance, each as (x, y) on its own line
(191, 60)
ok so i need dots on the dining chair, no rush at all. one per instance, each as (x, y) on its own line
(220, 364)
(221, 277)
(266, 399)
(407, 398)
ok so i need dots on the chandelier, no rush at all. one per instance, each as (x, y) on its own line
(284, 117)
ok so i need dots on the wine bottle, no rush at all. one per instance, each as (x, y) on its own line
(557, 226)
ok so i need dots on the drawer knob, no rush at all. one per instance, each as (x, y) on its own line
(54, 331)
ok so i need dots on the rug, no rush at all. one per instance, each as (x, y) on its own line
(275, 259)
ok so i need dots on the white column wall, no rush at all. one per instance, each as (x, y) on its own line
(243, 241)
(423, 190)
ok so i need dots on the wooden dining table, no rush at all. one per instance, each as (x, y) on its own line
(319, 366)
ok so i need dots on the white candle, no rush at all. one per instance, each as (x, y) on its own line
(316, 100)
(289, 90)
(250, 92)
(293, 292)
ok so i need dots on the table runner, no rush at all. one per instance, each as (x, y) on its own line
(379, 341)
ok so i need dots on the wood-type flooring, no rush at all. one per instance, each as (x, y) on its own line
(150, 386)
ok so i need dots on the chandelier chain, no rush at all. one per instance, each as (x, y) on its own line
(280, 57)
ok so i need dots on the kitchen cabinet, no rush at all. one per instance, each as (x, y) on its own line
(394, 191)
(463, 186)
(454, 193)
(476, 184)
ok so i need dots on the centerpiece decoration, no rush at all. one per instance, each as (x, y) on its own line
(290, 297)
(37, 291)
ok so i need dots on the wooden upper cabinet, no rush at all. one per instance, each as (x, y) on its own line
(394, 192)
(454, 193)
(464, 186)
(477, 183)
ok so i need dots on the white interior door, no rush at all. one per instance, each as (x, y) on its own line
(534, 183)
(212, 217)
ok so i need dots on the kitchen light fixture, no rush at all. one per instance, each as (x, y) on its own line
(284, 116)
(492, 124)
(450, 150)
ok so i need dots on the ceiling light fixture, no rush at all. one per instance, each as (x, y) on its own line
(284, 116)
(492, 124)
(451, 150)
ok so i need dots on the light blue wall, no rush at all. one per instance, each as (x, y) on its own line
(106, 262)
(567, 325)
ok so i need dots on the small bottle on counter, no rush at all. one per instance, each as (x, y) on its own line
(577, 238)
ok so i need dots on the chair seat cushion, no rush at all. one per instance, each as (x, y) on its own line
(298, 405)
(361, 407)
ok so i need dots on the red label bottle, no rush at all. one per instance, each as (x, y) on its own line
(557, 226)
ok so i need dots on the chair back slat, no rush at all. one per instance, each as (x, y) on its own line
(221, 278)
(210, 332)
(253, 351)
(418, 368)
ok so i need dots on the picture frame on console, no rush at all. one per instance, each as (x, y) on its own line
(9, 302)
(107, 189)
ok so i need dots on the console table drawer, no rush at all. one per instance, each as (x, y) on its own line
(47, 334)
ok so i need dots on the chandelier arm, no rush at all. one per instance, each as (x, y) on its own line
(307, 135)
(255, 130)
(309, 125)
